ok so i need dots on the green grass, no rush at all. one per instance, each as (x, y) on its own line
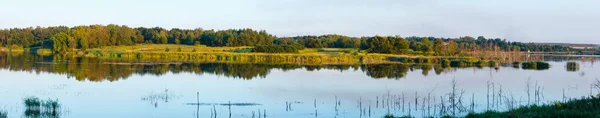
(187, 53)
(44, 52)
(14, 50)
(581, 108)
(168, 52)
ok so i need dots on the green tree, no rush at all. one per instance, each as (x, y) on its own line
(426, 45)
(403, 46)
(60, 42)
(439, 47)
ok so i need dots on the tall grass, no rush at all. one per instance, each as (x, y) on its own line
(579, 108)
(37, 108)
(3, 114)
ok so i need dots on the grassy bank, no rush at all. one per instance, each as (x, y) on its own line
(579, 108)
(178, 53)
(245, 54)
(5, 49)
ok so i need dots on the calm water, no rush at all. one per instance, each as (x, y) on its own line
(96, 88)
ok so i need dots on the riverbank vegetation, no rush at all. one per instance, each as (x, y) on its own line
(587, 107)
(579, 108)
(184, 53)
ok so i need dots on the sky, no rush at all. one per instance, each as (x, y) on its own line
(562, 21)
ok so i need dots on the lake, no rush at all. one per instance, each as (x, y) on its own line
(100, 88)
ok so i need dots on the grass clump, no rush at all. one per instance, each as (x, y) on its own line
(37, 108)
(392, 116)
(44, 52)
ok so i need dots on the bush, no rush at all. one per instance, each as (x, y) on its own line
(535, 65)
(445, 63)
(492, 63)
(516, 64)
(462, 63)
(572, 66)
(278, 48)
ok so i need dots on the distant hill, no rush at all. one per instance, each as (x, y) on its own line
(571, 45)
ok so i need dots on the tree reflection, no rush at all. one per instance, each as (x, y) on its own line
(395, 71)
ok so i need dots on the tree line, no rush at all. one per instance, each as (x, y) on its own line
(62, 38)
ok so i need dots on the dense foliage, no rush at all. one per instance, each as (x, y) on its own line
(277, 48)
(63, 38)
(84, 37)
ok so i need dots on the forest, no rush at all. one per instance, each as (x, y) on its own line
(64, 39)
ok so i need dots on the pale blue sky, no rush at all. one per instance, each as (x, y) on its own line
(574, 21)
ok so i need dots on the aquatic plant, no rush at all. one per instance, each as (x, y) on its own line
(37, 108)
(572, 66)
(535, 65)
(392, 116)
(3, 114)
(516, 64)
(32, 102)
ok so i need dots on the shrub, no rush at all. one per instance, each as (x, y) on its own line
(492, 63)
(516, 64)
(572, 66)
(535, 65)
(278, 48)
(445, 63)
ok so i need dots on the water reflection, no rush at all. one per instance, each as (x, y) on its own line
(96, 70)
(155, 98)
